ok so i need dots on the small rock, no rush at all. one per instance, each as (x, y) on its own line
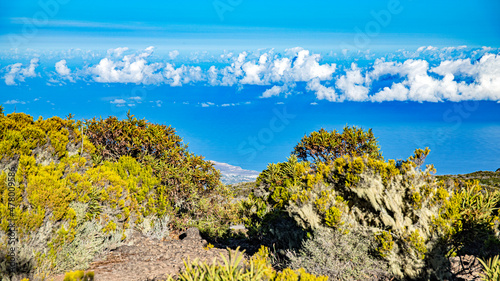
(192, 234)
(238, 227)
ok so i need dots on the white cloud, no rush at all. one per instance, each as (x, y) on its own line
(322, 92)
(17, 72)
(461, 66)
(227, 169)
(451, 49)
(226, 55)
(118, 101)
(14, 102)
(207, 104)
(212, 76)
(10, 77)
(306, 67)
(419, 85)
(173, 54)
(181, 75)
(131, 69)
(254, 71)
(137, 98)
(62, 69)
(426, 48)
(428, 74)
(117, 52)
(353, 85)
(298, 66)
(397, 92)
(274, 91)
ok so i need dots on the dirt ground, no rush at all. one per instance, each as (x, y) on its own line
(144, 259)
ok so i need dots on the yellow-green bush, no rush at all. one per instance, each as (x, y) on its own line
(122, 194)
(189, 186)
(410, 214)
(21, 135)
(68, 206)
(491, 269)
(257, 268)
(79, 275)
(385, 243)
(469, 220)
(324, 146)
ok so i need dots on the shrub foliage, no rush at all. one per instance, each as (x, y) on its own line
(325, 146)
(416, 221)
(257, 268)
(340, 256)
(81, 187)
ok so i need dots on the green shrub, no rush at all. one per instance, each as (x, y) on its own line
(417, 222)
(79, 275)
(90, 240)
(488, 179)
(231, 269)
(340, 256)
(352, 191)
(469, 220)
(491, 269)
(324, 146)
(189, 187)
(68, 207)
(155, 228)
(257, 268)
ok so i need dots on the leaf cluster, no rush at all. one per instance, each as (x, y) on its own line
(234, 267)
(324, 146)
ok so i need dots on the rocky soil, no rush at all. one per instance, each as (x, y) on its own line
(144, 259)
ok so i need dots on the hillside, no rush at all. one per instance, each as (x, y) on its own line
(485, 178)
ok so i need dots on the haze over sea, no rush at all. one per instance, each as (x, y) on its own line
(243, 81)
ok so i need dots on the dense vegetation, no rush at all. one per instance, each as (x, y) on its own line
(414, 221)
(78, 194)
(335, 208)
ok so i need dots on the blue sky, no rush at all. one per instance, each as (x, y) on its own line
(240, 23)
(242, 81)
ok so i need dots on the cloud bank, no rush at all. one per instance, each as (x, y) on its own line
(230, 170)
(428, 74)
